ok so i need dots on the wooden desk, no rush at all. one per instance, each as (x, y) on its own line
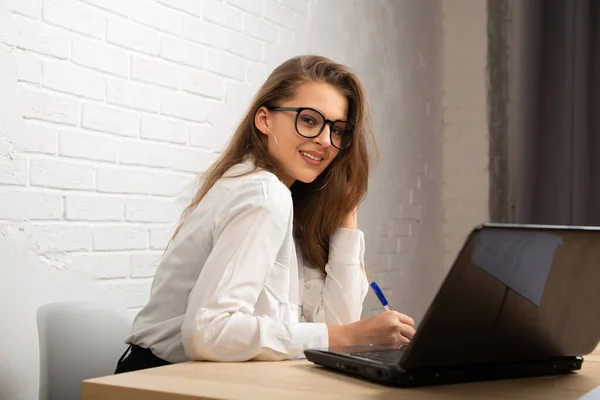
(304, 380)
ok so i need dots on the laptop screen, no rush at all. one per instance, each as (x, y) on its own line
(514, 293)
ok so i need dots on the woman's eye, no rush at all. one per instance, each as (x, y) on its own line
(308, 121)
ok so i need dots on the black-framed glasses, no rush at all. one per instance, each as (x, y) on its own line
(310, 124)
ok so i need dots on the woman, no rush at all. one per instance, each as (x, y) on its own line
(268, 258)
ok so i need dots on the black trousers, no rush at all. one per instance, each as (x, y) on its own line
(138, 358)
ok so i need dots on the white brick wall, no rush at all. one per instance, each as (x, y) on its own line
(122, 32)
(29, 66)
(19, 204)
(93, 207)
(51, 107)
(119, 237)
(99, 56)
(73, 15)
(110, 108)
(164, 129)
(56, 237)
(466, 176)
(192, 7)
(138, 96)
(34, 35)
(182, 51)
(121, 103)
(109, 119)
(122, 180)
(35, 138)
(58, 174)
(86, 145)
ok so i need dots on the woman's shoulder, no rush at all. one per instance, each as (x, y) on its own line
(244, 181)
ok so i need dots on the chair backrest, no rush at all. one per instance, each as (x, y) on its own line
(78, 340)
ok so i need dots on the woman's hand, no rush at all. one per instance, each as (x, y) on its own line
(389, 327)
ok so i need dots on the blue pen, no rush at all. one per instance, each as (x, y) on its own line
(380, 296)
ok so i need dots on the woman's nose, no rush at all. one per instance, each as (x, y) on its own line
(324, 139)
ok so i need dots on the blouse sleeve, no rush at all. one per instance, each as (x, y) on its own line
(338, 298)
(219, 323)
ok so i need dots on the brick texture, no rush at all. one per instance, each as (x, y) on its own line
(466, 179)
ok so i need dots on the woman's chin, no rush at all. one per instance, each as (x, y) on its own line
(306, 180)
(306, 177)
(305, 174)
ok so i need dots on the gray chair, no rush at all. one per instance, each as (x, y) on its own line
(78, 340)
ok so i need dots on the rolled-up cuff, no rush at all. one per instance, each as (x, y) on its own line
(308, 335)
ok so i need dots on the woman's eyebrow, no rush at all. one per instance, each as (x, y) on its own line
(319, 110)
(331, 119)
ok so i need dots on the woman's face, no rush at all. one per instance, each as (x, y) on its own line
(302, 158)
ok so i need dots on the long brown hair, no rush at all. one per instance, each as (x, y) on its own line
(319, 206)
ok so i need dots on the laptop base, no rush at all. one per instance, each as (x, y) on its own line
(393, 375)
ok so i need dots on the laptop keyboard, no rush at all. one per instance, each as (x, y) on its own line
(387, 356)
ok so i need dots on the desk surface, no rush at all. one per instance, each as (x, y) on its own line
(302, 380)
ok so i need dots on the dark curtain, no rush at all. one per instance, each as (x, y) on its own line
(554, 128)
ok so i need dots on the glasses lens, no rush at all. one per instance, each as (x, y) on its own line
(309, 123)
(341, 135)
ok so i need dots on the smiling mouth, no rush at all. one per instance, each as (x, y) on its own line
(310, 156)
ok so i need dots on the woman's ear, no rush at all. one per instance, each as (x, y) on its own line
(261, 120)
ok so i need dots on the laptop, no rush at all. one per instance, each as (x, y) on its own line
(519, 301)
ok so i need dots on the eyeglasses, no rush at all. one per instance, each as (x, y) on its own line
(310, 124)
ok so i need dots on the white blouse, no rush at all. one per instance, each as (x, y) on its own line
(232, 286)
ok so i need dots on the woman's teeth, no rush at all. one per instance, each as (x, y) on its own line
(310, 156)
